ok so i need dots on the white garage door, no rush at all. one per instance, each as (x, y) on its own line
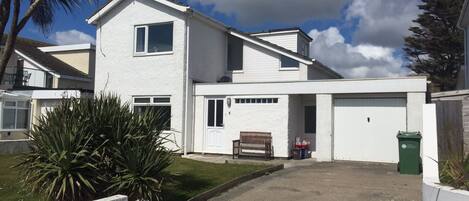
(366, 129)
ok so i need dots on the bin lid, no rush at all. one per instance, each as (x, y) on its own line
(407, 135)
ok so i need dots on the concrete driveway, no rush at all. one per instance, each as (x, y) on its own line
(338, 181)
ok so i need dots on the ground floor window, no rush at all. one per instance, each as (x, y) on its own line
(160, 104)
(15, 115)
(310, 119)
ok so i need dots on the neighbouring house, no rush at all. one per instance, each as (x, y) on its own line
(218, 81)
(37, 77)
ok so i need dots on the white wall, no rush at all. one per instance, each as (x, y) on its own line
(118, 70)
(248, 117)
(207, 52)
(262, 65)
(286, 40)
(415, 101)
(324, 129)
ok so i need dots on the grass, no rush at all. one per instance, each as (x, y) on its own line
(186, 178)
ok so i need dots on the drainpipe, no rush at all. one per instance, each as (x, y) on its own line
(186, 82)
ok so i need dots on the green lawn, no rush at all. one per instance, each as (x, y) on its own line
(187, 178)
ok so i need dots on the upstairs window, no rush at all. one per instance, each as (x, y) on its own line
(287, 62)
(235, 53)
(153, 39)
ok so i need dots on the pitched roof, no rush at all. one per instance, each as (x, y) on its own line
(177, 5)
(30, 49)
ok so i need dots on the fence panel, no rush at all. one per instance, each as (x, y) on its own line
(450, 129)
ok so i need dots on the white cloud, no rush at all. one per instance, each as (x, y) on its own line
(72, 36)
(254, 12)
(382, 22)
(353, 61)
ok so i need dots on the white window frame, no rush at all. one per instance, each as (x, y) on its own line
(152, 103)
(145, 51)
(16, 114)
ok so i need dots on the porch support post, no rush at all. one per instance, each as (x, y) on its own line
(324, 122)
(415, 102)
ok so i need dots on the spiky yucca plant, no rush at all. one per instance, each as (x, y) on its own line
(90, 148)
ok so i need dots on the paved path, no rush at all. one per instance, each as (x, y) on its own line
(339, 181)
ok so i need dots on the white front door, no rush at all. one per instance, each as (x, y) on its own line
(214, 121)
(366, 129)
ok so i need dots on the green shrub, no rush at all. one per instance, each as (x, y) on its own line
(90, 148)
(455, 172)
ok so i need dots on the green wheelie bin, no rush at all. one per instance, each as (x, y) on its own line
(409, 152)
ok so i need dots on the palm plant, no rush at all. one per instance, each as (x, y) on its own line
(90, 148)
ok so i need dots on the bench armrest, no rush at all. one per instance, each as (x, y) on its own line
(236, 143)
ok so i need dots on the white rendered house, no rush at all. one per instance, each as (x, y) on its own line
(218, 81)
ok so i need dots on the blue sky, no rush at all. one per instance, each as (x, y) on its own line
(358, 38)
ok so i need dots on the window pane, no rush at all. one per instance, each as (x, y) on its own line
(9, 116)
(141, 100)
(23, 104)
(10, 103)
(160, 38)
(288, 62)
(22, 119)
(161, 100)
(211, 113)
(164, 111)
(235, 53)
(140, 40)
(310, 119)
(219, 113)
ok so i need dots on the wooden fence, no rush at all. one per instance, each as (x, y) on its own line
(450, 129)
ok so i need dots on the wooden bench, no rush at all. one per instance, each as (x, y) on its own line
(253, 141)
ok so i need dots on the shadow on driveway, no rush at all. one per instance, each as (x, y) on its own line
(331, 182)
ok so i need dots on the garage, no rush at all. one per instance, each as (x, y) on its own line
(365, 129)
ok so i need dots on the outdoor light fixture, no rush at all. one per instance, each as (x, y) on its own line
(228, 102)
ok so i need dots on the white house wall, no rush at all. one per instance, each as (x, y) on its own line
(207, 51)
(118, 70)
(247, 117)
(38, 76)
(286, 40)
(262, 65)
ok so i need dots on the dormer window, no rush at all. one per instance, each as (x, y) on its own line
(287, 62)
(153, 39)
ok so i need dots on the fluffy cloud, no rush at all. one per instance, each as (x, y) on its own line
(253, 12)
(352, 61)
(382, 22)
(72, 36)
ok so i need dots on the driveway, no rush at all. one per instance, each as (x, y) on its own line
(338, 181)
